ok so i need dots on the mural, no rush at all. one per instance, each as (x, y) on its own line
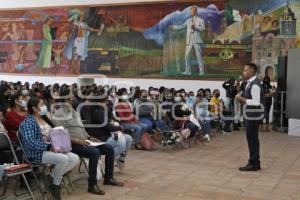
(209, 39)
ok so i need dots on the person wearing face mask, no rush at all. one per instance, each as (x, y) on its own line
(191, 99)
(167, 104)
(71, 120)
(182, 115)
(15, 116)
(25, 94)
(125, 112)
(202, 114)
(216, 107)
(215, 102)
(147, 111)
(112, 97)
(39, 151)
(107, 130)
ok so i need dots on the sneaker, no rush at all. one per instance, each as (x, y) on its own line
(186, 73)
(226, 132)
(207, 138)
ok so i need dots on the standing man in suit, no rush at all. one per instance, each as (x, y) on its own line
(252, 99)
(194, 26)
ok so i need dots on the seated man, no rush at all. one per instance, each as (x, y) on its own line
(67, 117)
(106, 129)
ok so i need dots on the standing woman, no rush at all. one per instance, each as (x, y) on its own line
(44, 59)
(268, 93)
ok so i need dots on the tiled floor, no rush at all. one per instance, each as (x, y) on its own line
(208, 172)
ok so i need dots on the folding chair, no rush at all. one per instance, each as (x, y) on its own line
(66, 178)
(82, 162)
(5, 142)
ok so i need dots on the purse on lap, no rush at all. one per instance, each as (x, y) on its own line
(60, 140)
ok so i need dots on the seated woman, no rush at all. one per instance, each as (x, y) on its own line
(39, 151)
(15, 116)
(182, 115)
(147, 111)
(202, 113)
(167, 106)
(108, 130)
(124, 110)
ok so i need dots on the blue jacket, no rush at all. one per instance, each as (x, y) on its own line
(32, 139)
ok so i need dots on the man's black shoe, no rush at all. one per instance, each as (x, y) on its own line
(250, 167)
(94, 189)
(112, 182)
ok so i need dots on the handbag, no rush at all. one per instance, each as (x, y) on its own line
(60, 140)
(147, 142)
(157, 136)
(184, 132)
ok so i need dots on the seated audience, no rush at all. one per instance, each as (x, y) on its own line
(40, 151)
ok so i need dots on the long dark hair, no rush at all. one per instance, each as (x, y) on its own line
(33, 102)
(13, 98)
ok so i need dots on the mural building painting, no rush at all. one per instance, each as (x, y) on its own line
(209, 39)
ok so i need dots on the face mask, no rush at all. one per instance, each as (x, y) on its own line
(144, 98)
(43, 110)
(177, 99)
(24, 103)
(113, 94)
(124, 97)
(25, 92)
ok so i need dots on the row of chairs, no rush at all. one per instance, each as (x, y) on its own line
(38, 171)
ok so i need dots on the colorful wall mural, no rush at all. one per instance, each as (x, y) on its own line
(209, 39)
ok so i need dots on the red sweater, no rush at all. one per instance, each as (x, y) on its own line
(12, 122)
(125, 113)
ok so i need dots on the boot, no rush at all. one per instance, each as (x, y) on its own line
(55, 192)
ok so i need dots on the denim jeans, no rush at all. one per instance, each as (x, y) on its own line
(205, 125)
(138, 129)
(151, 123)
(93, 154)
(193, 128)
(63, 163)
(122, 144)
